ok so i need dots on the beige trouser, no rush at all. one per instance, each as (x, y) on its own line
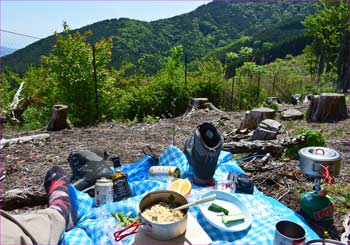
(42, 227)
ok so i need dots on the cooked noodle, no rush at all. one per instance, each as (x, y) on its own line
(161, 214)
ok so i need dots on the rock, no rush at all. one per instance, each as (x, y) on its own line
(267, 130)
(295, 99)
(292, 114)
(272, 100)
(254, 117)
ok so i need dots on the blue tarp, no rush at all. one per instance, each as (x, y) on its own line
(96, 225)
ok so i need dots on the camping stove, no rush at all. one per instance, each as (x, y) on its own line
(322, 164)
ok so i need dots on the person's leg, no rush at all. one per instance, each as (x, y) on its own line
(41, 227)
(56, 186)
(45, 226)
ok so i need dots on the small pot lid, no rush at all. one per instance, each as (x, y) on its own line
(319, 153)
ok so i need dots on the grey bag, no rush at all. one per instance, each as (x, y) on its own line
(202, 150)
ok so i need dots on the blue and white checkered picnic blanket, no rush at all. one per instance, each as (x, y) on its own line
(96, 225)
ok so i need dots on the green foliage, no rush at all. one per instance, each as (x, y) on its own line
(132, 122)
(313, 138)
(273, 106)
(7, 91)
(150, 119)
(327, 27)
(341, 194)
(214, 25)
(248, 88)
(34, 118)
(208, 81)
(70, 65)
(157, 97)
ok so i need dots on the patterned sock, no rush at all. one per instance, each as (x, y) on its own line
(56, 186)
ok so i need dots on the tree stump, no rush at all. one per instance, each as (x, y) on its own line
(254, 117)
(328, 107)
(199, 103)
(59, 118)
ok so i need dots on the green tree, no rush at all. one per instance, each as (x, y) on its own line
(209, 81)
(327, 27)
(164, 95)
(249, 84)
(235, 60)
(70, 65)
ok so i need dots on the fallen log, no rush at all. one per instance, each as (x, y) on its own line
(258, 146)
(12, 115)
(23, 139)
(19, 198)
(274, 147)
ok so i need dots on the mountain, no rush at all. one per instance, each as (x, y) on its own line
(6, 51)
(212, 27)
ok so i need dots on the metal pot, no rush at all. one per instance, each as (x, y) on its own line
(163, 231)
(313, 161)
(289, 233)
(155, 230)
(324, 241)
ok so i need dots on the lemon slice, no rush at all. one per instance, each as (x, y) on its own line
(183, 186)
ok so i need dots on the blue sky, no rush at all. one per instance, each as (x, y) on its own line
(43, 18)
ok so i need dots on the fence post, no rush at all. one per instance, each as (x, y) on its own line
(95, 79)
(185, 71)
(258, 92)
(232, 90)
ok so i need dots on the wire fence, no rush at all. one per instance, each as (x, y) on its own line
(11, 41)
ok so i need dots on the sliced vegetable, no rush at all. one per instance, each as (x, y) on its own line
(123, 220)
(217, 209)
(115, 215)
(226, 219)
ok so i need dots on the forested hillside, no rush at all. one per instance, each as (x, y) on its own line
(238, 54)
(214, 28)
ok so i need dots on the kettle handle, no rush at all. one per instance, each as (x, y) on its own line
(320, 149)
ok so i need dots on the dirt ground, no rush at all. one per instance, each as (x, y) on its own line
(26, 164)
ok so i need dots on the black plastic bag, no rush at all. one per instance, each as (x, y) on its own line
(87, 167)
(202, 150)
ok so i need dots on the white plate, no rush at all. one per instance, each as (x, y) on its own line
(231, 203)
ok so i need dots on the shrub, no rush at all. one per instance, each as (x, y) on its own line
(313, 138)
(273, 106)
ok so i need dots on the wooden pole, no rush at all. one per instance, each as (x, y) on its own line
(232, 91)
(258, 92)
(185, 70)
(95, 79)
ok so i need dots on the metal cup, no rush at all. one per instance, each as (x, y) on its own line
(289, 233)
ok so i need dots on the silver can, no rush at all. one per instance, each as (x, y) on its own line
(164, 173)
(103, 191)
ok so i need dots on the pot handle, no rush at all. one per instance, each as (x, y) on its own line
(320, 149)
(119, 234)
